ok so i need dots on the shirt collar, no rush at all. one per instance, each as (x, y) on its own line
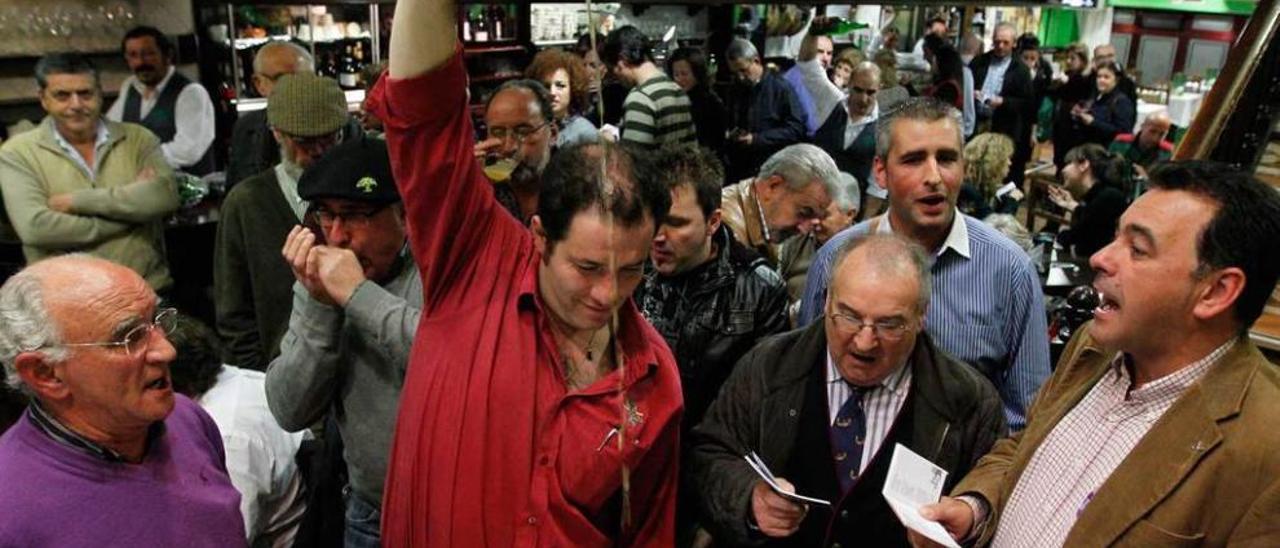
(873, 116)
(141, 88)
(1176, 382)
(957, 238)
(104, 134)
(892, 382)
(54, 428)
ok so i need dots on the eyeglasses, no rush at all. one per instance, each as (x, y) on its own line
(353, 218)
(139, 338)
(318, 143)
(885, 330)
(520, 133)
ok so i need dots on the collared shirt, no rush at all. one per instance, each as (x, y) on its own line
(60, 433)
(490, 446)
(104, 135)
(193, 111)
(1082, 451)
(880, 404)
(855, 127)
(994, 84)
(289, 187)
(986, 310)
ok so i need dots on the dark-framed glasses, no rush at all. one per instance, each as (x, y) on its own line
(136, 340)
(519, 133)
(355, 218)
(889, 329)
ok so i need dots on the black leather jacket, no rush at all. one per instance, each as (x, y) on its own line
(712, 315)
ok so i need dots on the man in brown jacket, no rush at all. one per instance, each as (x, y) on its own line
(789, 196)
(1159, 426)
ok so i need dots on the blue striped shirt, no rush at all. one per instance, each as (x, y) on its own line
(986, 307)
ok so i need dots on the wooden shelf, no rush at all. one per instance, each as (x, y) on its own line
(496, 77)
(482, 50)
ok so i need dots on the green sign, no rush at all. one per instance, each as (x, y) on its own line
(1226, 7)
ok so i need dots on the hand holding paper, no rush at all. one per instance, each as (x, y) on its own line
(912, 483)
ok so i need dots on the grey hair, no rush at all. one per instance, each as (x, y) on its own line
(800, 164)
(1009, 226)
(925, 109)
(740, 49)
(25, 325)
(306, 63)
(848, 195)
(1004, 25)
(64, 63)
(890, 253)
(866, 67)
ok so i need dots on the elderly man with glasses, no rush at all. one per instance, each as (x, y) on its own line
(106, 454)
(520, 135)
(824, 406)
(356, 305)
(251, 283)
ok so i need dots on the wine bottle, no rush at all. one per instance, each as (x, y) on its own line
(349, 73)
(480, 29)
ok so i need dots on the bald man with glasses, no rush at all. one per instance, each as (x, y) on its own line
(106, 453)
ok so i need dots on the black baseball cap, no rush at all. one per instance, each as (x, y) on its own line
(358, 169)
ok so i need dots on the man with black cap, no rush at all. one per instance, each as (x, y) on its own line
(251, 284)
(356, 305)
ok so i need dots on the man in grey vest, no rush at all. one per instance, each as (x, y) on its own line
(175, 108)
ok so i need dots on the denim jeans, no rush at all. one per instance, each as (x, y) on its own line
(363, 522)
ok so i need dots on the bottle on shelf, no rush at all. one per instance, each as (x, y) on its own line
(479, 25)
(465, 16)
(348, 72)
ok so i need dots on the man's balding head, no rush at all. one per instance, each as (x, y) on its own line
(275, 59)
(1155, 127)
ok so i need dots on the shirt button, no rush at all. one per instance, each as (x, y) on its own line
(533, 520)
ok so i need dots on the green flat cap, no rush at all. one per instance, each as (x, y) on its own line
(307, 105)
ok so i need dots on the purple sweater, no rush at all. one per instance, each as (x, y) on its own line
(180, 495)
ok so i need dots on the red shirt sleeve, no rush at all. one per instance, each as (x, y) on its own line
(451, 214)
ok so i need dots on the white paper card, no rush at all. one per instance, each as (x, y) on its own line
(763, 471)
(913, 482)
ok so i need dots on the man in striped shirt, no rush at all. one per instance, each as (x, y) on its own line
(987, 310)
(824, 406)
(657, 111)
(1158, 427)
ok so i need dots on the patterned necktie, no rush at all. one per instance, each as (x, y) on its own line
(848, 434)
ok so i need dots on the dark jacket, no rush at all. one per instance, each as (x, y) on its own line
(709, 117)
(1093, 223)
(252, 282)
(777, 393)
(1066, 131)
(1016, 114)
(1113, 113)
(713, 314)
(770, 111)
(857, 158)
(253, 148)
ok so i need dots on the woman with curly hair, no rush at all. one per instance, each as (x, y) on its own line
(566, 79)
(986, 165)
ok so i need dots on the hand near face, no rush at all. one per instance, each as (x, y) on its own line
(955, 516)
(329, 274)
(487, 146)
(776, 516)
(1060, 197)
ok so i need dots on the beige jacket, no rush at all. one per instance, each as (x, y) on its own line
(740, 211)
(113, 215)
(1206, 474)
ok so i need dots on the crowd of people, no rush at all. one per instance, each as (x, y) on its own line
(570, 327)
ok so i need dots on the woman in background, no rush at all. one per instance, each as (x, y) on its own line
(1068, 90)
(987, 158)
(565, 76)
(1093, 197)
(688, 67)
(1112, 111)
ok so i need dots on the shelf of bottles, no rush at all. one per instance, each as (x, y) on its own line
(343, 39)
(495, 46)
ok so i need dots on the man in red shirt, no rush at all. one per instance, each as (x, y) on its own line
(521, 414)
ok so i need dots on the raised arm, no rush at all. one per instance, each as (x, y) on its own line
(422, 38)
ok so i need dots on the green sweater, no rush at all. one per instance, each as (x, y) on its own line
(113, 215)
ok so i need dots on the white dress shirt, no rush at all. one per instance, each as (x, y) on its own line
(193, 116)
(260, 456)
(880, 405)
